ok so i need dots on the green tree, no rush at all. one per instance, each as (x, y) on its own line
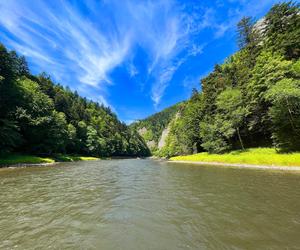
(10, 137)
(191, 116)
(230, 103)
(39, 116)
(246, 34)
(285, 113)
(56, 135)
(213, 134)
(283, 29)
(92, 140)
(269, 69)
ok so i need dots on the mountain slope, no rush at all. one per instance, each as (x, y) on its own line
(252, 99)
(154, 127)
(40, 117)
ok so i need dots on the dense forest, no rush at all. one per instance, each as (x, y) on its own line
(252, 99)
(40, 117)
(152, 127)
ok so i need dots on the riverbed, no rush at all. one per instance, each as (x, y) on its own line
(148, 204)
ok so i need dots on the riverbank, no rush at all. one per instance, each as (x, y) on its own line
(31, 160)
(255, 157)
(290, 168)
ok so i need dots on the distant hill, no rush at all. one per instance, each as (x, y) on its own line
(152, 127)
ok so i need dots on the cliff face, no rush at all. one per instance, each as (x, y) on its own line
(155, 129)
(164, 135)
(152, 144)
(260, 25)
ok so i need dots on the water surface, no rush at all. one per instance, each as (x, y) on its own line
(145, 204)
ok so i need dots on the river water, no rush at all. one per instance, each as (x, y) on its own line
(146, 204)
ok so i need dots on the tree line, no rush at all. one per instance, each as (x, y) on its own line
(40, 117)
(253, 98)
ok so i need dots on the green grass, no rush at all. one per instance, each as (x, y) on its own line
(11, 159)
(255, 156)
(66, 158)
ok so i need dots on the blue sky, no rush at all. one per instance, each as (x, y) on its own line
(135, 56)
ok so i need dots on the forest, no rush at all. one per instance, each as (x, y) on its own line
(251, 100)
(40, 117)
(152, 127)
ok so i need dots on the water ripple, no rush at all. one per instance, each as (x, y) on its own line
(144, 204)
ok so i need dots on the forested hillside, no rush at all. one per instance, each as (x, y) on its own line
(253, 98)
(40, 117)
(151, 128)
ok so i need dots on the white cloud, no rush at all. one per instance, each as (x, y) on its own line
(165, 75)
(196, 49)
(58, 37)
(65, 39)
(132, 70)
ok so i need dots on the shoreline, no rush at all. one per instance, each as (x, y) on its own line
(239, 165)
(43, 164)
(24, 165)
(22, 161)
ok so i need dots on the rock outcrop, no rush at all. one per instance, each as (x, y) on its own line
(164, 135)
(142, 131)
(151, 144)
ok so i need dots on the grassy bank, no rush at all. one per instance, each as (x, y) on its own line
(12, 159)
(67, 158)
(255, 156)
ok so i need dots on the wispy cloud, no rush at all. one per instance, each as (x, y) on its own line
(82, 42)
(164, 76)
(63, 38)
(132, 70)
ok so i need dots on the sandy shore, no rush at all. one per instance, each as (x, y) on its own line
(285, 168)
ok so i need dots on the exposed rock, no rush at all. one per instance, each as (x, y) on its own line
(177, 115)
(260, 25)
(151, 144)
(164, 135)
(142, 131)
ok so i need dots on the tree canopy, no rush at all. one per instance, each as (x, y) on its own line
(250, 100)
(40, 117)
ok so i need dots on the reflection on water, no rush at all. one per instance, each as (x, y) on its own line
(144, 204)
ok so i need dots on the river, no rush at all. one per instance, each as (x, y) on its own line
(145, 204)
